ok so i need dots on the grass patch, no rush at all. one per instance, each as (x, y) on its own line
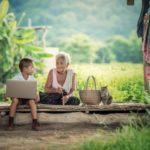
(124, 80)
(129, 138)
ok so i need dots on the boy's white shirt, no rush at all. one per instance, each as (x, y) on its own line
(20, 77)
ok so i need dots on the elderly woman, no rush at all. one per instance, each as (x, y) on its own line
(61, 83)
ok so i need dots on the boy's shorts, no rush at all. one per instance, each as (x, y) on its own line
(23, 101)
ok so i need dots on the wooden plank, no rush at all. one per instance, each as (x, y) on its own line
(36, 27)
(115, 107)
(130, 2)
(75, 117)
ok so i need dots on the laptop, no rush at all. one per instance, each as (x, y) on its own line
(21, 89)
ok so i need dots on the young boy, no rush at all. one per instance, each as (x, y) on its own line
(26, 70)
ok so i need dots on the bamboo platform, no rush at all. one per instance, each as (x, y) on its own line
(120, 113)
(113, 108)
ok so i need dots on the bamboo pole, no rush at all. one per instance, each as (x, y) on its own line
(113, 108)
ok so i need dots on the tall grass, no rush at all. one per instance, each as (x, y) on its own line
(124, 80)
(129, 138)
(134, 136)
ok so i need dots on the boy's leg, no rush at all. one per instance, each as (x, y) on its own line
(13, 107)
(33, 108)
(12, 113)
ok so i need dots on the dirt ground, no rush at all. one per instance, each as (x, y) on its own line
(61, 132)
(54, 136)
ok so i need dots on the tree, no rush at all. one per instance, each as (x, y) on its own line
(15, 44)
(95, 18)
(120, 49)
(126, 49)
(80, 47)
(104, 55)
(135, 48)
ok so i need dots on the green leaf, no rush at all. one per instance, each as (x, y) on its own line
(18, 40)
(13, 25)
(3, 9)
(25, 33)
(32, 48)
(43, 55)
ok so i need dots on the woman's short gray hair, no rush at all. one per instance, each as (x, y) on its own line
(64, 56)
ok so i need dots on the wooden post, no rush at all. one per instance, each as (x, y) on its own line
(130, 2)
(29, 23)
(30, 27)
(44, 37)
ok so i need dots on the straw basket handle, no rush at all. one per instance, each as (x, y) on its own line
(87, 82)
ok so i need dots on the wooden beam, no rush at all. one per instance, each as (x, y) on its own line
(130, 2)
(113, 108)
(75, 118)
(36, 27)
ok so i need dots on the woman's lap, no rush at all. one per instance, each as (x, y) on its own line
(56, 99)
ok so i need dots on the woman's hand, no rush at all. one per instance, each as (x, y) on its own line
(65, 99)
(59, 90)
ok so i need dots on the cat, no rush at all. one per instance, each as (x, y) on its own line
(106, 97)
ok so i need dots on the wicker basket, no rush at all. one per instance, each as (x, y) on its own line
(90, 97)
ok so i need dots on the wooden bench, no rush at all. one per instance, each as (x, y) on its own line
(113, 108)
(120, 113)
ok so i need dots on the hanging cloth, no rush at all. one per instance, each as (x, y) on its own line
(145, 47)
(144, 10)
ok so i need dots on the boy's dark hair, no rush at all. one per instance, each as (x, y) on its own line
(25, 62)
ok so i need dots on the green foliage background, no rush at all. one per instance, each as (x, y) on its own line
(98, 19)
(16, 44)
(100, 31)
(91, 31)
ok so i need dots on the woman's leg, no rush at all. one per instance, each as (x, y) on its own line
(51, 99)
(73, 101)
